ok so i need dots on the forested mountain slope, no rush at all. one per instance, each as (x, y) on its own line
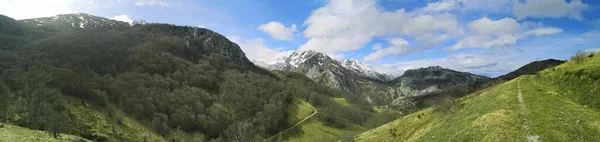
(558, 104)
(106, 80)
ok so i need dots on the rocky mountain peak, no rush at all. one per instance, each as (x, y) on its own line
(311, 58)
(71, 22)
(139, 22)
(298, 58)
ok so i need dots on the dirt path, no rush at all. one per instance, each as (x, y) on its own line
(298, 123)
(528, 135)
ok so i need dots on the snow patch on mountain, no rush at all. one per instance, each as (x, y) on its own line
(298, 58)
(363, 69)
(74, 22)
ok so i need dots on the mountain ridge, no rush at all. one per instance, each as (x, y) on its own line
(296, 58)
(362, 80)
(559, 103)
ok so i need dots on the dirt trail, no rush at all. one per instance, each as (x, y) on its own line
(528, 135)
(298, 123)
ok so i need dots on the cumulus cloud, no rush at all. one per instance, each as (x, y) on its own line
(278, 31)
(257, 50)
(549, 8)
(26, 9)
(441, 6)
(398, 45)
(346, 25)
(124, 18)
(462, 62)
(486, 5)
(487, 33)
(544, 31)
(160, 3)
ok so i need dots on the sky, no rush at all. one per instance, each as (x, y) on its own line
(486, 37)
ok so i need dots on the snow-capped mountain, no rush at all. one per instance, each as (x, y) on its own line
(363, 69)
(297, 59)
(378, 88)
(73, 22)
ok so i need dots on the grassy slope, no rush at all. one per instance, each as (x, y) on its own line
(12, 133)
(551, 110)
(91, 120)
(313, 130)
(98, 122)
(341, 101)
(298, 110)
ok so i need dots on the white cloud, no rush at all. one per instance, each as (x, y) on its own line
(278, 31)
(549, 8)
(485, 26)
(160, 3)
(441, 6)
(486, 5)
(592, 50)
(544, 31)
(124, 18)
(462, 62)
(26, 9)
(487, 33)
(495, 62)
(256, 50)
(346, 25)
(398, 45)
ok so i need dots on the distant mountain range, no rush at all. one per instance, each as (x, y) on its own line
(361, 79)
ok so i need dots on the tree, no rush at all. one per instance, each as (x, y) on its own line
(241, 132)
(5, 102)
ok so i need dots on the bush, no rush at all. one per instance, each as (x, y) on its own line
(444, 104)
(580, 56)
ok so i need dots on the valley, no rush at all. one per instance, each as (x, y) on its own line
(81, 77)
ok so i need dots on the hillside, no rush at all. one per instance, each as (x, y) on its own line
(10, 133)
(105, 80)
(531, 68)
(430, 98)
(557, 104)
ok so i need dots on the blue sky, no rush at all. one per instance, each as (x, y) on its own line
(487, 37)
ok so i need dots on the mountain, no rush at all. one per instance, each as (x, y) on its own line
(71, 22)
(435, 78)
(378, 88)
(460, 90)
(351, 65)
(557, 104)
(531, 68)
(105, 80)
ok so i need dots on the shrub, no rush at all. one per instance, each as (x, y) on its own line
(580, 56)
(444, 104)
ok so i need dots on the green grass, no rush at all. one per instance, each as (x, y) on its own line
(97, 122)
(312, 130)
(12, 133)
(315, 131)
(298, 110)
(559, 104)
(341, 101)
